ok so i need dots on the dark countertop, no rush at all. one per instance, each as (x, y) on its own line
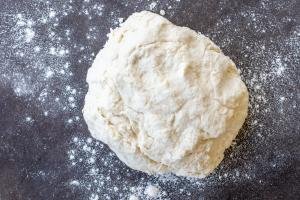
(46, 151)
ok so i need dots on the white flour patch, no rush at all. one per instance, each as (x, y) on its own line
(29, 34)
(152, 191)
(75, 183)
(152, 5)
(162, 12)
(21, 85)
(133, 197)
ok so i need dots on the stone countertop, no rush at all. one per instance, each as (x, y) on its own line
(46, 151)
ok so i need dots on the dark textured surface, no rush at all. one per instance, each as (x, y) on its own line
(34, 161)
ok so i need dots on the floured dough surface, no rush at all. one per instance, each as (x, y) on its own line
(164, 98)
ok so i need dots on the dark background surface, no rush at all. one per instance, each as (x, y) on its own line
(39, 121)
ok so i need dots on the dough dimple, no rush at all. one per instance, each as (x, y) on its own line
(164, 98)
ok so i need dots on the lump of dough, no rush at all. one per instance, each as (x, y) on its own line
(164, 98)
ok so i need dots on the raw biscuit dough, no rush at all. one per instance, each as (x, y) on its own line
(164, 98)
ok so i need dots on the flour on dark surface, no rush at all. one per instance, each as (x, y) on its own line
(46, 151)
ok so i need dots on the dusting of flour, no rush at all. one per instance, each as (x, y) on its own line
(38, 67)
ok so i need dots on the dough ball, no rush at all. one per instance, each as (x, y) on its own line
(164, 98)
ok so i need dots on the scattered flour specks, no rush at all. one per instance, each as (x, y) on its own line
(38, 66)
(262, 66)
